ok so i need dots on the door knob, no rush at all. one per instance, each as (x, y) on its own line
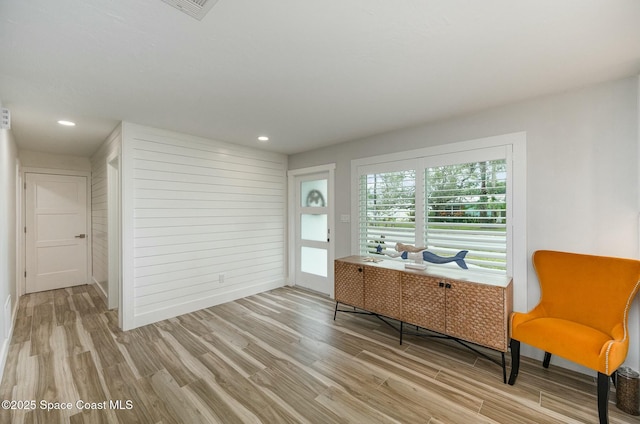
(81, 236)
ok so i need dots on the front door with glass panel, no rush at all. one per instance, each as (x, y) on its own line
(313, 233)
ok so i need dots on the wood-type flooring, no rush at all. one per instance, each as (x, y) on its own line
(276, 357)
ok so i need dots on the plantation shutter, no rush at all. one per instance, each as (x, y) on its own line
(387, 210)
(466, 209)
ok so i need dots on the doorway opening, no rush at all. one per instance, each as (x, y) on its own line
(113, 235)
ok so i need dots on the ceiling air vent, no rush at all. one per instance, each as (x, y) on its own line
(194, 8)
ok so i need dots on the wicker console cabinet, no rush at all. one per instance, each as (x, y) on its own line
(461, 304)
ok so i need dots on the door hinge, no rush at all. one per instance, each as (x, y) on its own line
(25, 230)
(25, 274)
(25, 185)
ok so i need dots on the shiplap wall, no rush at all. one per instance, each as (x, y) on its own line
(100, 246)
(208, 221)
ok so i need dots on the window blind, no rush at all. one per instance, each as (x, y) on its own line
(387, 210)
(466, 209)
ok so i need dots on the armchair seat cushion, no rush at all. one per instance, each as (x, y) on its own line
(580, 343)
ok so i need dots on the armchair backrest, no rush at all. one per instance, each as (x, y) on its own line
(593, 290)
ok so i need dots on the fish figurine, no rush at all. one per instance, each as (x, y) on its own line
(435, 259)
(410, 252)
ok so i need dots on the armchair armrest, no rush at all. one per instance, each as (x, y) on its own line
(518, 318)
(614, 353)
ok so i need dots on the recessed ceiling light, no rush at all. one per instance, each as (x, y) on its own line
(263, 138)
(67, 123)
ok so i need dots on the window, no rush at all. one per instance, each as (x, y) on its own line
(387, 209)
(446, 203)
(467, 210)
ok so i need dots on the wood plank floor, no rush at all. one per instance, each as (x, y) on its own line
(276, 357)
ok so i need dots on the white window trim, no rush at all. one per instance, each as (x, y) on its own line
(515, 143)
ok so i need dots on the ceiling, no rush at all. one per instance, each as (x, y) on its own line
(305, 73)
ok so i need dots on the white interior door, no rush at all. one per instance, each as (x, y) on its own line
(313, 233)
(56, 239)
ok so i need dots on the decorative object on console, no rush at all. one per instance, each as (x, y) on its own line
(371, 259)
(420, 254)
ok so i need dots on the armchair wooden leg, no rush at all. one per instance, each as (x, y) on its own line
(603, 398)
(515, 360)
(547, 359)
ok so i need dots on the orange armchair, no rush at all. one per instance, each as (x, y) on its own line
(582, 315)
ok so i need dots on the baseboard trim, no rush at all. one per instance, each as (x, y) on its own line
(206, 302)
(100, 290)
(6, 343)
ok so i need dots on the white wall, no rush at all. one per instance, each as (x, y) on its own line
(582, 171)
(99, 210)
(31, 159)
(203, 223)
(8, 163)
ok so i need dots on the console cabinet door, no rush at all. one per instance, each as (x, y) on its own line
(382, 291)
(349, 284)
(475, 312)
(423, 302)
